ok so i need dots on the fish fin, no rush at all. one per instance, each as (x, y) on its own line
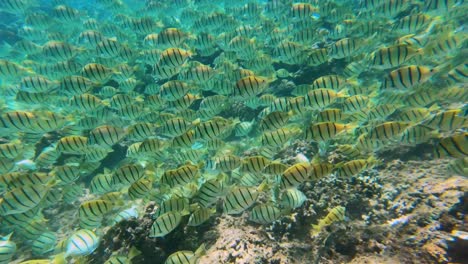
(106, 102)
(133, 253)
(184, 212)
(343, 93)
(201, 250)
(339, 165)
(315, 229)
(264, 186)
(7, 237)
(59, 259)
(372, 161)
(194, 207)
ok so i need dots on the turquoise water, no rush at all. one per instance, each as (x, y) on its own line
(170, 115)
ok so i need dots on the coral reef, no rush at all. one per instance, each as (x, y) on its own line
(405, 212)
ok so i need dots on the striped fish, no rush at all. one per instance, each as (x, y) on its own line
(101, 183)
(86, 102)
(75, 85)
(22, 219)
(459, 74)
(34, 178)
(292, 198)
(128, 174)
(37, 84)
(106, 135)
(250, 86)
(274, 120)
(412, 23)
(228, 163)
(200, 216)
(31, 98)
(175, 127)
(19, 121)
(254, 164)
(11, 70)
(330, 115)
(72, 145)
(239, 199)
(47, 157)
(108, 48)
(171, 37)
(295, 104)
(44, 243)
(33, 229)
(185, 140)
(116, 259)
(320, 170)
(391, 8)
(198, 73)
(211, 129)
(317, 57)
(459, 166)
(447, 121)
(355, 103)
(296, 175)
(66, 173)
(302, 10)
(210, 192)
(348, 150)
(120, 100)
(352, 167)
(185, 256)
(165, 224)
(345, 47)
(11, 150)
(97, 72)
(81, 243)
(278, 137)
(94, 208)
(417, 134)
(51, 198)
(71, 192)
(444, 45)
(91, 222)
(140, 189)
(407, 77)
(180, 205)
(173, 90)
(184, 102)
(60, 51)
(333, 82)
(97, 153)
(321, 98)
(453, 146)
(381, 112)
(173, 57)
(326, 130)
(387, 130)
(6, 165)
(275, 168)
(264, 214)
(90, 38)
(336, 214)
(22, 199)
(183, 175)
(7, 249)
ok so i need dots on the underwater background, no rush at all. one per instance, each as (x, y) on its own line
(196, 131)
